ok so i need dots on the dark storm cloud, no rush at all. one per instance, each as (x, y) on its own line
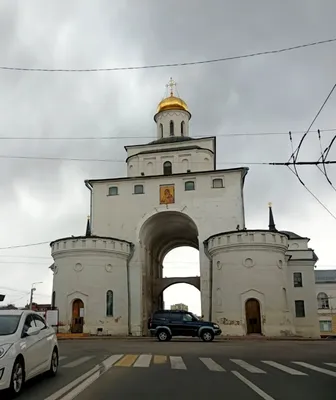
(274, 93)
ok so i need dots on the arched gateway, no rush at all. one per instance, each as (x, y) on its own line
(174, 195)
(159, 234)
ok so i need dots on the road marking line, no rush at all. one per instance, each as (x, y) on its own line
(126, 361)
(211, 364)
(177, 363)
(106, 364)
(72, 384)
(77, 362)
(289, 370)
(143, 361)
(248, 367)
(331, 364)
(61, 358)
(318, 369)
(160, 359)
(252, 386)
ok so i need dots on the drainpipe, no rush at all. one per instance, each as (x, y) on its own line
(129, 320)
(206, 252)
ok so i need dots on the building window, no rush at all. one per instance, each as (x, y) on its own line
(113, 191)
(171, 128)
(53, 300)
(217, 183)
(322, 301)
(167, 168)
(161, 130)
(138, 189)
(297, 279)
(109, 303)
(299, 309)
(325, 326)
(182, 128)
(190, 185)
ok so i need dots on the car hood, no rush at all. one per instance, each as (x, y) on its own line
(7, 339)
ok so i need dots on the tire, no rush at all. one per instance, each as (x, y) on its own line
(207, 335)
(163, 335)
(53, 363)
(17, 378)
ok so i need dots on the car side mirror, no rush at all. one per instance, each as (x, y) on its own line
(32, 331)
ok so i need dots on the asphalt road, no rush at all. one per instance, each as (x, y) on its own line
(100, 369)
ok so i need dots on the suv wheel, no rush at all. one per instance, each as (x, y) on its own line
(163, 335)
(207, 335)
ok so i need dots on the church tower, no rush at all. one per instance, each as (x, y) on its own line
(172, 116)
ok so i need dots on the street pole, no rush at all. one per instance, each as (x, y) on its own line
(32, 290)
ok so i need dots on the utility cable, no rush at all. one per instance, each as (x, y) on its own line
(179, 64)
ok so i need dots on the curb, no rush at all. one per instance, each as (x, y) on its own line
(222, 339)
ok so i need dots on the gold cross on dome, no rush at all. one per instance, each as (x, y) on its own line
(269, 204)
(171, 84)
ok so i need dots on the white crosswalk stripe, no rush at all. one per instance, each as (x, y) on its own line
(283, 368)
(143, 361)
(314, 368)
(331, 364)
(77, 362)
(177, 363)
(248, 367)
(211, 364)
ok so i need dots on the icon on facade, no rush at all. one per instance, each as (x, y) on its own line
(167, 194)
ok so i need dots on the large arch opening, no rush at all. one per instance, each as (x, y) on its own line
(160, 234)
(180, 262)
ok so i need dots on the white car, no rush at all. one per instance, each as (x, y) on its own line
(28, 347)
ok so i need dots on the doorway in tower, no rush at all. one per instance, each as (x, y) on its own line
(179, 263)
(77, 316)
(253, 317)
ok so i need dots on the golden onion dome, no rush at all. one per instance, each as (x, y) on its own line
(172, 103)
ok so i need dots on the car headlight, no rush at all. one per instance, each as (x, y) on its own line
(215, 326)
(3, 349)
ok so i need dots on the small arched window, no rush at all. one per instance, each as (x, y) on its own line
(171, 128)
(109, 303)
(138, 189)
(217, 183)
(161, 130)
(113, 191)
(322, 301)
(167, 168)
(189, 185)
(182, 128)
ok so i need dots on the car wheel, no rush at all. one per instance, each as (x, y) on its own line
(207, 336)
(163, 336)
(53, 363)
(17, 379)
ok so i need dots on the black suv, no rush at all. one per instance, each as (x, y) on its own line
(168, 323)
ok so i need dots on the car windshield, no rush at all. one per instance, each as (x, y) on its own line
(9, 324)
(195, 316)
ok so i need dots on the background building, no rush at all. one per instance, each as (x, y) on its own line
(179, 306)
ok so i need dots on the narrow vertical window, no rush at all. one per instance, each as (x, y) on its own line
(182, 128)
(171, 128)
(297, 276)
(299, 309)
(161, 130)
(167, 168)
(109, 303)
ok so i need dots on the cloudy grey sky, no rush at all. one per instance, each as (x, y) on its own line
(44, 200)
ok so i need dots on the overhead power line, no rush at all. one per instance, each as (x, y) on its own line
(322, 159)
(153, 138)
(170, 65)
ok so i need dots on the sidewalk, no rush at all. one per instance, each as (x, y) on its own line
(83, 336)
